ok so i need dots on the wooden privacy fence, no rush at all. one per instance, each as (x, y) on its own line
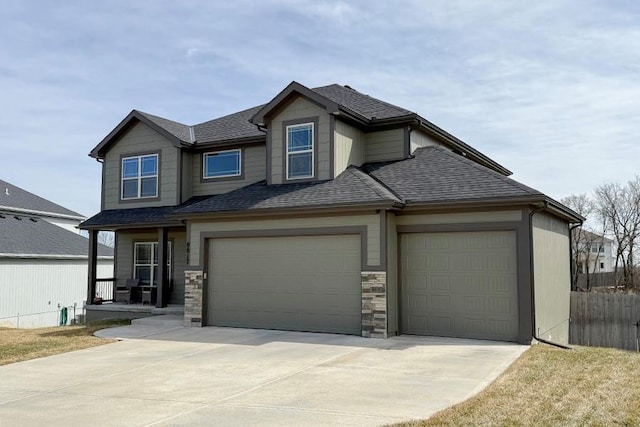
(605, 320)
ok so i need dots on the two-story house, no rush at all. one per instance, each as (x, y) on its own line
(593, 253)
(328, 210)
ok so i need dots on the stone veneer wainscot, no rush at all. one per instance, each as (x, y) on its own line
(374, 304)
(193, 307)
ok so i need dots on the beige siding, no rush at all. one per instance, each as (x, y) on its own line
(254, 166)
(419, 139)
(551, 277)
(392, 276)
(124, 258)
(384, 145)
(141, 139)
(372, 222)
(460, 218)
(187, 181)
(348, 147)
(299, 109)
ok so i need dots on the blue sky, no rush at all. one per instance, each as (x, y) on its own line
(549, 89)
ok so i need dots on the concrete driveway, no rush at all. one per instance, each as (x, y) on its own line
(163, 374)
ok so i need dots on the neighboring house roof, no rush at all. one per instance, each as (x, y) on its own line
(436, 175)
(593, 237)
(16, 199)
(24, 236)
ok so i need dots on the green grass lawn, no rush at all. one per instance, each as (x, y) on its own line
(17, 345)
(547, 386)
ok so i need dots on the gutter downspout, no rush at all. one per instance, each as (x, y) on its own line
(572, 272)
(533, 283)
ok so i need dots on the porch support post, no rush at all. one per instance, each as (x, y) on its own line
(93, 263)
(162, 297)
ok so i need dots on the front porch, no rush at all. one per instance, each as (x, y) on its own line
(112, 310)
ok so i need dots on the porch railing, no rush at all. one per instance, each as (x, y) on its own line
(105, 289)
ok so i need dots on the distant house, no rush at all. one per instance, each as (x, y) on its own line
(43, 259)
(593, 253)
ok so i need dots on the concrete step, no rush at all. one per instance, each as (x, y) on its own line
(165, 320)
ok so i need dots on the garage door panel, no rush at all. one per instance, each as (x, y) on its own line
(307, 283)
(460, 284)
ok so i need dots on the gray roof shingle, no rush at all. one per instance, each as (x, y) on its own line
(23, 235)
(179, 130)
(351, 187)
(237, 125)
(435, 174)
(364, 105)
(15, 197)
(232, 126)
(137, 216)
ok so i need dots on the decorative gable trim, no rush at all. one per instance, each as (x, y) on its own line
(261, 117)
(132, 118)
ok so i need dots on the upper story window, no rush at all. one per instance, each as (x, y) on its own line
(300, 151)
(222, 164)
(140, 177)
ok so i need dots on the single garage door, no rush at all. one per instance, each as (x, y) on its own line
(303, 283)
(461, 284)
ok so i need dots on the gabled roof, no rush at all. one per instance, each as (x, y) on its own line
(15, 199)
(24, 236)
(370, 112)
(436, 175)
(351, 188)
(336, 99)
(247, 125)
(177, 133)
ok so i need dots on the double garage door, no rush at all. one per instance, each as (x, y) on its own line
(461, 284)
(299, 283)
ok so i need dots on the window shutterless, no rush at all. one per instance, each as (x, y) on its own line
(222, 164)
(140, 177)
(145, 262)
(300, 151)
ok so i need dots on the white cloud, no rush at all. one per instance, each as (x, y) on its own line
(549, 88)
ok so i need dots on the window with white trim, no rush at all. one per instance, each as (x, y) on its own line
(221, 164)
(140, 177)
(300, 151)
(145, 262)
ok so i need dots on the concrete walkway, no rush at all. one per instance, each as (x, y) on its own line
(164, 374)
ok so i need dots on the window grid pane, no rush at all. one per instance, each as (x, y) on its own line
(146, 262)
(139, 177)
(299, 138)
(149, 165)
(300, 165)
(300, 151)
